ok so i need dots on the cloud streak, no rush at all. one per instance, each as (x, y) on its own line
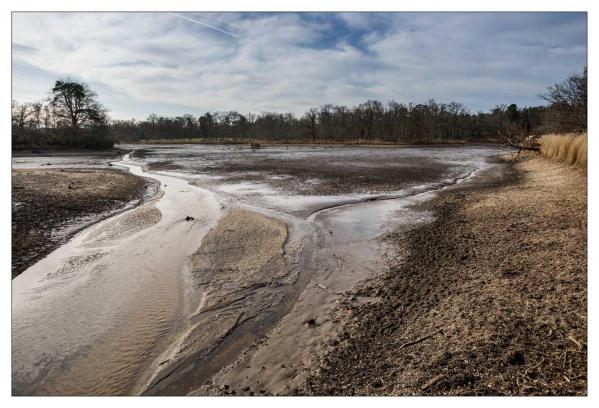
(205, 25)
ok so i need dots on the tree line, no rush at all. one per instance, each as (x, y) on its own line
(72, 117)
(73, 113)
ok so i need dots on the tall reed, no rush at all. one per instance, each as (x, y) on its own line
(567, 148)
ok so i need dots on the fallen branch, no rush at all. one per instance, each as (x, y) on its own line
(522, 147)
(419, 340)
(429, 384)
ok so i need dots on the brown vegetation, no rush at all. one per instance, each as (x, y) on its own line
(491, 298)
(566, 148)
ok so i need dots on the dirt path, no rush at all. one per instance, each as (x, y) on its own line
(491, 299)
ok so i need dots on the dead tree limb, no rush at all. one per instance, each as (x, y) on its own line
(521, 147)
(419, 340)
(531, 146)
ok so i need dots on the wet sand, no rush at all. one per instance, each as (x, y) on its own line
(490, 299)
(50, 205)
(244, 287)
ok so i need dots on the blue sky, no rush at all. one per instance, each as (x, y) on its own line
(172, 64)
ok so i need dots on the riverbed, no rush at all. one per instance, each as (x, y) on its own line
(160, 300)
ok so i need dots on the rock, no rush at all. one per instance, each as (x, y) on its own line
(311, 322)
(188, 218)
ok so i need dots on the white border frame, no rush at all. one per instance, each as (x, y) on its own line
(305, 5)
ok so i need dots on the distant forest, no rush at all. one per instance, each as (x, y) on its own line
(72, 117)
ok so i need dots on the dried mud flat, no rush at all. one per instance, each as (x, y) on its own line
(50, 205)
(491, 298)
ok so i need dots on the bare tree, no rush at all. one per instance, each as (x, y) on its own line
(311, 115)
(568, 101)
(36, 114)
(20, 113)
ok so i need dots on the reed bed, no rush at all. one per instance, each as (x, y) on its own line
(570, 148)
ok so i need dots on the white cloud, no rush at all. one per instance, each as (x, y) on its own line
(145, 62)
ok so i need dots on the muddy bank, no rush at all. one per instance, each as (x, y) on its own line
(49, 206)
(491, 298)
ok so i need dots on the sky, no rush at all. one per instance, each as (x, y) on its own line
(176, 63)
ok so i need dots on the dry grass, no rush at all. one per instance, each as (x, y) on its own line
(566, 148)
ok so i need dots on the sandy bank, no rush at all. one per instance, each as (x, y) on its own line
(49, 206)
(243, 287)
(491, 298)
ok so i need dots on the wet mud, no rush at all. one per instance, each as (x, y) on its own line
(50, 205)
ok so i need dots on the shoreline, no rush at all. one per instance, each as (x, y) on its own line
(323, 144)
(279, 363)
(463, 313)
(68, 206)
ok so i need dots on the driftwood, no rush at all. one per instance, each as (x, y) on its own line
(531, 146)
(419, 340)
(433, 381)
(521, 147)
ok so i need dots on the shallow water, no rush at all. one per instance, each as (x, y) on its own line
(89, 317)
(95, 315)
(62, 160)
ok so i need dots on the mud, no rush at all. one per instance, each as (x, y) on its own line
(50, 206)
(317, 170)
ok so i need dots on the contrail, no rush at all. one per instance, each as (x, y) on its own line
(206, 25)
